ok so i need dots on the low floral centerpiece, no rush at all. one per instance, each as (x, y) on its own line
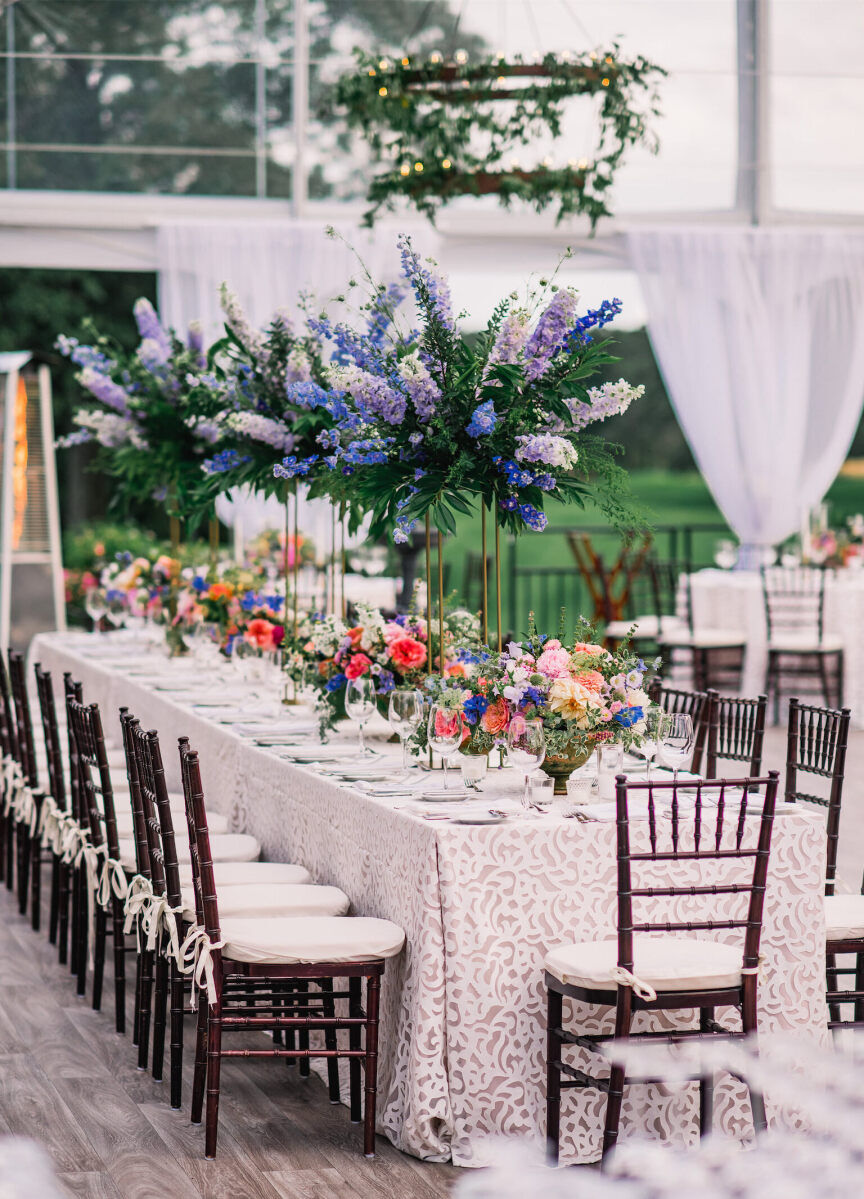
(398, 653)
(584, 694)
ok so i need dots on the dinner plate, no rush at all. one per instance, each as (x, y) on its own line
(445, 796)
(479, 818)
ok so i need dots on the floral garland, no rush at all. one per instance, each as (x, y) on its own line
(425, 421)
(422, 121)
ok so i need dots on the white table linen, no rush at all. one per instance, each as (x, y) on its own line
(463, 1008)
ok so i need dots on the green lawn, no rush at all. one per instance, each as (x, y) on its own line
(545, 575)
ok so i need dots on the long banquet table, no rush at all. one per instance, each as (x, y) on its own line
(463, 1018)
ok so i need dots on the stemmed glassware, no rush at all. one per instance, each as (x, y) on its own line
(445, 732)
(405, 714)
(96, 606)
(648, 748)
(360, 706)
(526, 747)
(675, 741)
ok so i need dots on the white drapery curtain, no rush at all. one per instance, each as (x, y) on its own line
(759, 334)
(268, 263)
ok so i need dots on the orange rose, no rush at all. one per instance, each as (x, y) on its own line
(455, 671)
(494, 719)
(592, 679)
(220, 591)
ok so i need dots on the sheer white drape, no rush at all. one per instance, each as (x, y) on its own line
(267, 263)
(759, 334)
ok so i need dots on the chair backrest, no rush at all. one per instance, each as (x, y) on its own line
(51, 733)
(666, 585)
(691, 703)
(139, 819)
(164, 867)
(736, 732)
(712, 828)
(94, 776)
(23, 718)
(8, 723)
(72, 690)
(206, 904)
(794, 599)
(816, 743)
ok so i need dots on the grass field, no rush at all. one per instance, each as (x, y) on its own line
(539, 570)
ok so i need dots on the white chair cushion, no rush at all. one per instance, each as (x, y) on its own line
(291, 939)
(228, 847)
(844, 917)
(647, 626)
(244, 874)
(666, 963)
(707, 639)
(792, 643)
(264, 899)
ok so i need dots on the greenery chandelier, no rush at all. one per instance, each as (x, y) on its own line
(442, 128)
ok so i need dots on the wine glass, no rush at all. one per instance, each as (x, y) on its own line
(675, 741)
(725, 554)
(95, 606)
(445, 732)
(648, 747)
(526, 747)
(405, 713)
(360, 705)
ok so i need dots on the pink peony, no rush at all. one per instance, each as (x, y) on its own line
(259, 632)
(407, 653)
(358, 666)
(554, 662)
(392, 632)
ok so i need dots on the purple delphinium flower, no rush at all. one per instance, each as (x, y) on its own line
(551, 332)
(610, 399)
(71, 348)
(104, 389)
(155, 348)
(381, 311)
(235, 318)
(372, 394)
(547, 448)
(510, 342)
(424, 280)
(509, 503)
(260, 428)
(420, 386)
(483, 420)
(306, 394)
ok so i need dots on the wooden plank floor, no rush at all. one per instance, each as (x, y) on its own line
(69, 1081)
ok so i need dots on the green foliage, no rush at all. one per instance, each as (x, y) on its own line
(438, 130)
(86, 547)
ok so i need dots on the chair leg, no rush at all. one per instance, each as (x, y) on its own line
(304, 1065)
(136, 1011)
(35, 883)
(119, 967)
(176, 1036)
(616, 1074)
(145, 1006)
(748, 1023)
(54, 905)
(101, 935)
(355, 1008)
(63, 902)
(859, 985)
(160, 1012)
(373, 996)
(10, 852)
(330, 1040)
(706, 1082)
(22, 837)
(200, 1075)
(214, 1064)
(554, 1018)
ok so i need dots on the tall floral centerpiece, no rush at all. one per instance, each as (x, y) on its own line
(429, 424)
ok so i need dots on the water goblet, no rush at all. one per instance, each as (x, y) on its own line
(648, 747)
(675, 741)
(405, 714)
(445, 733)
(526, 747)
(360, 706)
(96, 607)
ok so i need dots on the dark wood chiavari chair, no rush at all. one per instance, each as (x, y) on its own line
(652, 965)
(816, 744)
(691, 703)
(736, 732)
(9, 732)
(28, 831)
(799, 650)
(58, 920)
(94, 781)
(247, 959)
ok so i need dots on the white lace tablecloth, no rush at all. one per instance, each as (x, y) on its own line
(463, 1013)
(732, 599)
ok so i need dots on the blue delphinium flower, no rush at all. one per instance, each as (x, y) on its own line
(509, 504)
(531, 695)
(199, 584)
(292, 468)
(483, 420)
(307, 394)
(224, 460)
(336, 683)
(386, 681)
(533, 517)
(474, 707)
(629, 716)
(598, 317)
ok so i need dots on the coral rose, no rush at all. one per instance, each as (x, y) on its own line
(494, 719)
(407, 653)
(592, 679)
(455, 670)
(259, 632)
(358, 666)
(587, 647)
